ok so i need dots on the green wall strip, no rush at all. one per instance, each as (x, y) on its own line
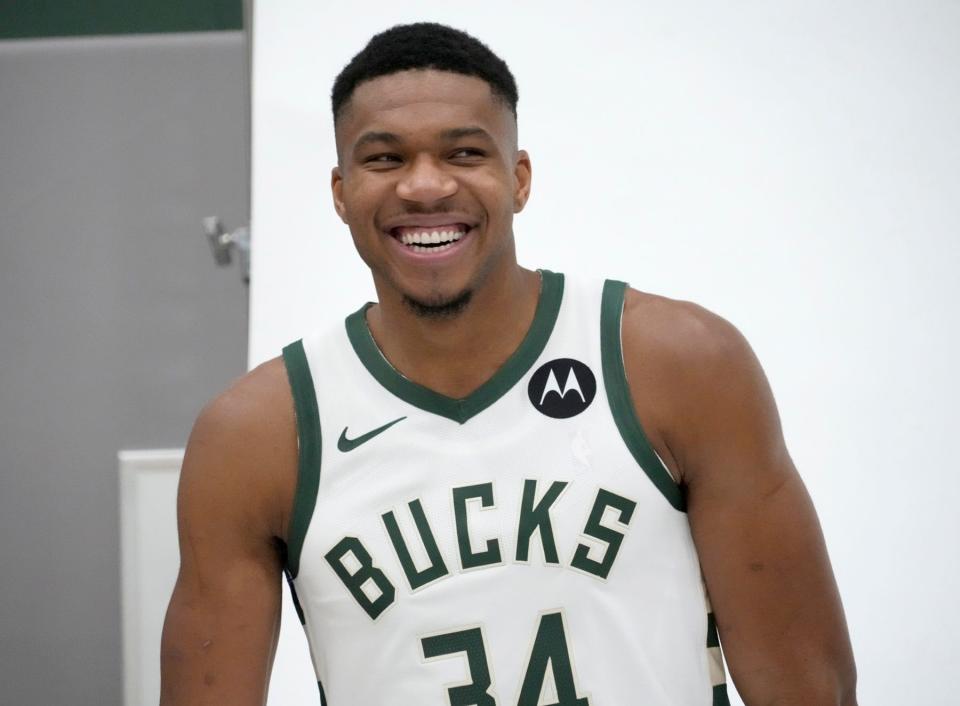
(24, 19)
(308, 434)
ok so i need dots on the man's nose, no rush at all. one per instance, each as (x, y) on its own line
(425, 180)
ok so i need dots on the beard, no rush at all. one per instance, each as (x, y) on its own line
(439, 307)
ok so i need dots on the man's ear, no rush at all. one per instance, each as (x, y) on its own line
(523, 173)
(336, 187)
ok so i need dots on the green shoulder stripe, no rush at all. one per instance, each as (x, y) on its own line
(618, 393)
(308, 436)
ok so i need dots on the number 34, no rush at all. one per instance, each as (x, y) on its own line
(549, 651)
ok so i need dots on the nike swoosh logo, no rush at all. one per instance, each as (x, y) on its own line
(345, 444)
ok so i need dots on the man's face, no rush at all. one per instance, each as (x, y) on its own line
(425, 156)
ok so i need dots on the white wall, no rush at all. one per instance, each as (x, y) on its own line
(792, 166)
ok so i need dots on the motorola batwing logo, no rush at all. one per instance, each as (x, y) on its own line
(562, 388)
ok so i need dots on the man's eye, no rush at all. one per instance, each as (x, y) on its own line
(382, 158)
(467, 152)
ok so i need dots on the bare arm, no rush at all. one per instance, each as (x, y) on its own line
(761, 549)
(223, 619)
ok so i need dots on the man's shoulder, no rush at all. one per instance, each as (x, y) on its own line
(677, 332)
(258, 399)
(244, 441)
(686, 367)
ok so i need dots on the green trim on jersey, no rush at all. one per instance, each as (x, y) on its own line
(296, 599)
(461, 410)
(310, 447)
(713, 640)
(720, 697)
(618, 393)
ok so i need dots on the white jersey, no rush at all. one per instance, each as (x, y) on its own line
(523, 545)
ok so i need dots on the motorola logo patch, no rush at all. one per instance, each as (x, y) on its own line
(562, 388)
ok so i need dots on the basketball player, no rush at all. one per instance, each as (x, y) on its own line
(495, 485)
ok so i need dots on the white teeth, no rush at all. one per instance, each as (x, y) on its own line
(435, 237)
(420, 248)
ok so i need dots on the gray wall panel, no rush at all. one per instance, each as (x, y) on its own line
(115, 326)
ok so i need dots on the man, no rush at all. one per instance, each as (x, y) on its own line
(495, 485)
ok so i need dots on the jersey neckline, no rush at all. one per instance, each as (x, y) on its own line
(462, 409)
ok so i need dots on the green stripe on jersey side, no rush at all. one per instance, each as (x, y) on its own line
(462, 409)
(323, 697)
(720, 697)
(713, 640)
(618, 393)
(715, 657)
(308, 436)
(296, 599)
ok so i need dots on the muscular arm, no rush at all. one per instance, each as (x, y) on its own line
(761, 549)
(224, 616)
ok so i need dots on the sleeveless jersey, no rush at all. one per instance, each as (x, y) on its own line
(524, 545)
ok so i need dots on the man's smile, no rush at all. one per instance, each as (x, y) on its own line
(431, 242)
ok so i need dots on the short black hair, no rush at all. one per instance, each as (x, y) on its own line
(425, 45)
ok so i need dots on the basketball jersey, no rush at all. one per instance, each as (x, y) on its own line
(523, 546)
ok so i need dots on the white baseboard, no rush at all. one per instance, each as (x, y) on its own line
(149, 562)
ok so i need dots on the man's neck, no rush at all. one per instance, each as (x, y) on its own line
(455, 355)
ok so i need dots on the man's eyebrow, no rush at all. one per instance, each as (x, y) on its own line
(394, 139)
(472, 131)
(370, 137)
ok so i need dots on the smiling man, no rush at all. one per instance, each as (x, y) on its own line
(495, 485)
